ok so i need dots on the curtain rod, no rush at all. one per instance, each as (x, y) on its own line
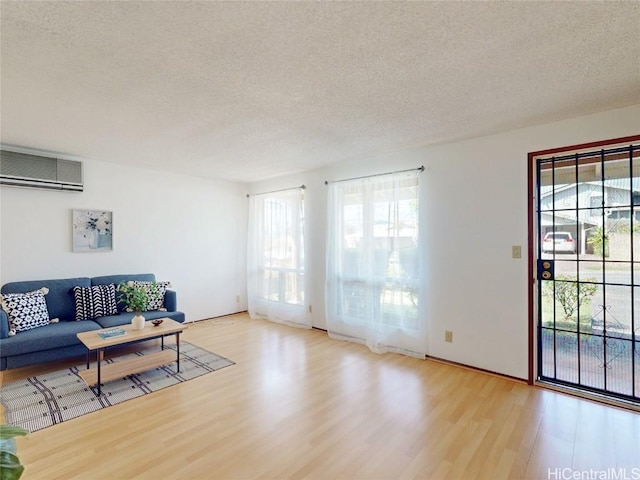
(303, 187)
(421, 169)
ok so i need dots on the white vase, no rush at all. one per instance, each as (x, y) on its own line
(138, 322)
(92, 238)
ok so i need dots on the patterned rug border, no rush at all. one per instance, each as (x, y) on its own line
(45, 400)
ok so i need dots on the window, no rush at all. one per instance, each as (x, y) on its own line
(275, 260)
(595, 201)
(373, 274)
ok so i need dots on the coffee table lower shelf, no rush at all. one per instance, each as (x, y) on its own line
(113, 371)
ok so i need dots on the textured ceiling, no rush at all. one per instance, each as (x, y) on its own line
(246, 91)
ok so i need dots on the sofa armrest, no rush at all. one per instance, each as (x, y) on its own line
(4, 324)
(171, 301)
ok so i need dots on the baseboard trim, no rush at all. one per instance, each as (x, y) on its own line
(219, 316)
(461, 365)
(478, 369)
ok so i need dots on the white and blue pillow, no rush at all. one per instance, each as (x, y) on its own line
(26, 310)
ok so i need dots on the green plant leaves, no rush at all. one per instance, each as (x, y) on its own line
(134, 298)
(9, 431)
(10, 467)
(569, 293)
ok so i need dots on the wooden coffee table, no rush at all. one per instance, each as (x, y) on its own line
(112, 371)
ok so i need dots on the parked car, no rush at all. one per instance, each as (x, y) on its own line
(560, 242)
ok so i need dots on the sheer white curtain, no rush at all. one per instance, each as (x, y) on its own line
(374, 287)
(275, 258)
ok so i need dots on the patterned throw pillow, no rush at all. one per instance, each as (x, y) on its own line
(155, 293)
(26, 310)
(94, 302)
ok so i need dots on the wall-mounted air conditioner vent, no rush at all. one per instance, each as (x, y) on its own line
(36, 171)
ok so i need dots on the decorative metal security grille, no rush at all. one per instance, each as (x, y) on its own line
(588, 251)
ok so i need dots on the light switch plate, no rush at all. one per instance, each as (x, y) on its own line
(516, 251)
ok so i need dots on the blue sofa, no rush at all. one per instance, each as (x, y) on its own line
(57, 341)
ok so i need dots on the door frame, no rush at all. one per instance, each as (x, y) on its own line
(532, 250)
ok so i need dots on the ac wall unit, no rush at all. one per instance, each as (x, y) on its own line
(37, 171)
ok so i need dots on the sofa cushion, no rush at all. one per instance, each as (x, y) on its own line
(94, 302)
(25, 310)
(59, 300)
(43, 356)
(51, 336)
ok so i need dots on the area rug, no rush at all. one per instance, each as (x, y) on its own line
(45, 400)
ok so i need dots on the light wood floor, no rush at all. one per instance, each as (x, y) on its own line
(300, 405)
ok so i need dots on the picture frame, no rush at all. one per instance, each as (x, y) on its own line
(92, 230)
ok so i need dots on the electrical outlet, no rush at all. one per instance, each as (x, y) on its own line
(309, 308)
(516, 251)
(448, 336)
(237, 298)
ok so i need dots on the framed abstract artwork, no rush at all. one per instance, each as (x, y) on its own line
(92, 231)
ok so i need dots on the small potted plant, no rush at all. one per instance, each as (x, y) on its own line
(135, 300)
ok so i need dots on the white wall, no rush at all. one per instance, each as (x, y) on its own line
(192, 231)
(475, 209)
(188, 230)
